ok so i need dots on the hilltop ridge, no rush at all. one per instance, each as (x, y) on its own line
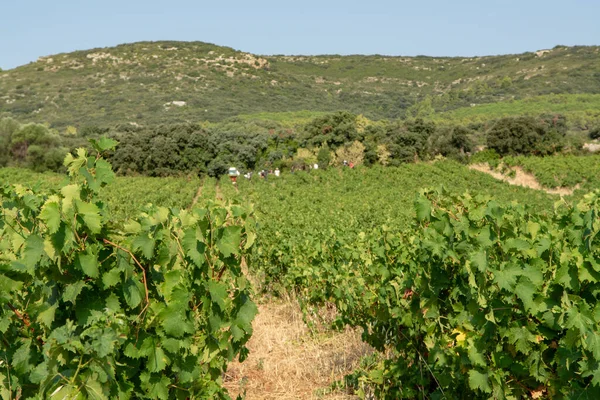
(171, 81)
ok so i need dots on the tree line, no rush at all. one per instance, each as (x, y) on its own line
(211, 148)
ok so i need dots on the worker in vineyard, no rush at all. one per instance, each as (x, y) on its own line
(233, 174)
(277, 172)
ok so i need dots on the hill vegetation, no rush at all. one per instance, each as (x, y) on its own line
(164, 82)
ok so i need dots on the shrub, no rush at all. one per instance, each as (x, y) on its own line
(523, 135)
(152, 307)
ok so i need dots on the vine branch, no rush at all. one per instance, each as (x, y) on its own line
(145, 280)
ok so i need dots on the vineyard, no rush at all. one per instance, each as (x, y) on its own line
(125, 195)
(561, 170)
(474, 289)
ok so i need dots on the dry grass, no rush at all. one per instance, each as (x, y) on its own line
(521, 178)
(289, 361)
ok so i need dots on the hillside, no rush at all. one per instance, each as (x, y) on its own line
(152, 82)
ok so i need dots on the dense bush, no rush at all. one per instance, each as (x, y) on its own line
(30, 145)
(332, 130)
(407, 141)
(211, 148)
(524, 135)
(153, 307)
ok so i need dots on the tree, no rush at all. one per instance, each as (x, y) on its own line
(523, 135)
(324, 157)
(8, 127)
(334, 130)
(408, 141)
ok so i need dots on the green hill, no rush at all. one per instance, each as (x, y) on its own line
(159, 82)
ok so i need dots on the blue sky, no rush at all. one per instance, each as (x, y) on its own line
(33, 28)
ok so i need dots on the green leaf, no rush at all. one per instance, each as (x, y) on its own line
(132, 227)
(145, 244)
(34, 249)
(104, 172)
(507, 278)
(39, 373)
(157, 360)
(73, 290)
(94, 390)
(250, 239)
(479, 381)
(218, 293)
(111, 278)
(423, 209)
(525, 291)
(174, 320)
(592, 342)
(521, 338)
(46, 317)
(157, 386)
(229, 242)
(193, 247)
(113, 304)
(50, 214)
(533, 228)
(88, 263)
(66, 392)
(133, 292)
(70, 194)
(103, 342)
(517, 244)
(91, 215)
(21, 357)
(580, 318)
(475, 356)
(8, 285)
(103, 144)
(247, 313)
(479, 260)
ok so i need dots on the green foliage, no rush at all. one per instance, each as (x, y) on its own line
(483, 299)
(524, 135)
(94, 87)
(475, 299)
(8, 127)
(332, 130)
(487, 156)
(125, 196)
(561, 170)
(324, 157)
(581, 110)
(152, 307)
(408, 141)
(454, 142)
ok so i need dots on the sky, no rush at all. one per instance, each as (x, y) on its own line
(33, 28)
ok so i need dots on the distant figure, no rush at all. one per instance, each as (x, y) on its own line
(248, 175)
(351, 165)
(345, 163)
(277, 172)
(233, 174)
(316, 166)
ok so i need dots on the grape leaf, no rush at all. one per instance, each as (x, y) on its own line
(229, 242)
(479, 381)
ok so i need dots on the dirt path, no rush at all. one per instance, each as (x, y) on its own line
(198, 194)
(287, 361)
(218, 194)
(522, 178)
